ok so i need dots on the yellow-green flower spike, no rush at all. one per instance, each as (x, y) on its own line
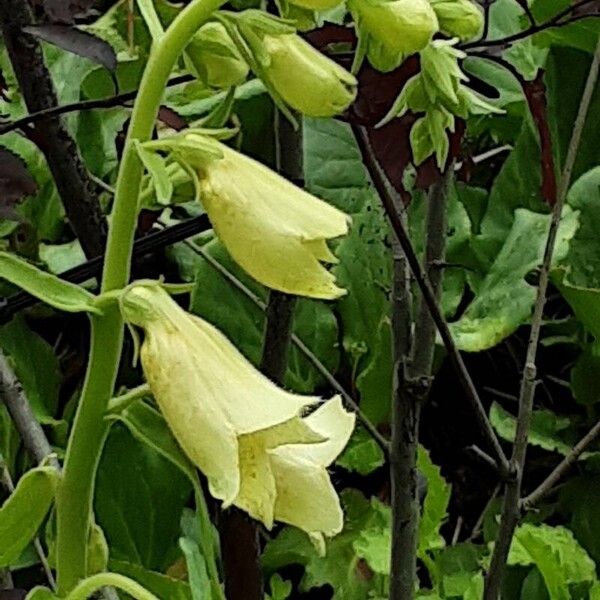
(402, 27)
(215, 58)
(308, 81)
(459, 18)
(274, 230)
(243, 432)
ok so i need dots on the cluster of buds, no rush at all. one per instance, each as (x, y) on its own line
(391, 30)
(439, 92)
(252, 440)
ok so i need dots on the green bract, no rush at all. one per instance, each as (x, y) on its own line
(215, 57)
(316, 4)
(459, 18)
(247, 435)
(393, 28)
(439, 92)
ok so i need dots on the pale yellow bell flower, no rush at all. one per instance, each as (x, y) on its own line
(243, 432)
(274, 230)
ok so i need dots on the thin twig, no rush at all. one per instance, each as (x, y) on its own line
(511, 503)
(54, 111)
(408, 400)
(308, 353)
(31, 432)
(561, 469)
(479, 522)
(556, 21)
(430, 299)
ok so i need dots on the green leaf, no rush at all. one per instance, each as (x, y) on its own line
(24, 511)
(340, 566)
(435, 505)
(556, 553)
(40, 593)
(362, 455)
(583, 376)
(504, 299)
(41, 384)
(198, 575)
(160, 585)
(280, 588)
(156, 167)
(545, 430)
(456, 566)
(139, 499)
(46, 287)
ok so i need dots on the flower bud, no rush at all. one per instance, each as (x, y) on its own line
(215, 58)
(402, 26)
(318, 5)
(459, 18)
(307, 80)
(274, 230)
(243, 432)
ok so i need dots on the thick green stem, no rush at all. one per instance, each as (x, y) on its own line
(75, 498)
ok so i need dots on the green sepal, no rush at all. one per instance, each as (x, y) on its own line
(156, 166)
(46, 287)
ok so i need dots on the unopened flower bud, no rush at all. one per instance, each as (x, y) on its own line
(403, 26)
(215, 57)
(307, 80)
(459, 18)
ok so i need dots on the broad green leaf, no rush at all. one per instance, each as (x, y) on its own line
(504, 299)
(61, 257)
(435, 505)
(374, 542)
(41, 384)
(40, 593)
(518, 184)
(547, 429)
(24, 511)
(556, 553)
(340, 566)
(46, 287)
(455, 568)
(160, 585)
(139, 499)
(584, 376)
(362, 455)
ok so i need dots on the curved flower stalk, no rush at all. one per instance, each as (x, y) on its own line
(390, 30)
(242, 431)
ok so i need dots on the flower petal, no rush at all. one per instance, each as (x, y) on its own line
(335, 423)
(192, 414)
(306, 497)
(265, 222)
(257, 490)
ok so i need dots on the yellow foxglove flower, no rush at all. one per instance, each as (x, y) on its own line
(274, 230)
(403, 27)
(459, 18)
(242, 431)
(308, 81)
(215, 57)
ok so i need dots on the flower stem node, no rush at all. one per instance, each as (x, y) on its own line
(249, 437)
